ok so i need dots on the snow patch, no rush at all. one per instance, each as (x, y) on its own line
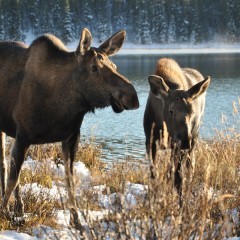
(81, 173)
(13, 235)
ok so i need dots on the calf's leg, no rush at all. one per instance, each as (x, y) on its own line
(176, 157)
(179, 158)
(151, 148)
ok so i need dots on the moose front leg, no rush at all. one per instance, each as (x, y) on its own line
(184, 166)
(176, 158)
(3, 164)
(191, 156)
(18, 155)
(190, 161)
(69, 149)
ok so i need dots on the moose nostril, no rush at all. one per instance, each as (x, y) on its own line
(171, 112)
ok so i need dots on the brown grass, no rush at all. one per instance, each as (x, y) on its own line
(209, 194)
(207, 199)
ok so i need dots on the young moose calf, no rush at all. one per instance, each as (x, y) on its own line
(45, 91)
(173, 112)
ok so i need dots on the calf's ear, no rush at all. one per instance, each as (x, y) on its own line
(114, 43)
(158, 86)
(198, 89)
(85, 42)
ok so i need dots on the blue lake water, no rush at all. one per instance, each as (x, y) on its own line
(122, 135)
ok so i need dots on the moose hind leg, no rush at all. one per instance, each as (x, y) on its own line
(69, 150)
(18, 154)
(3, 164)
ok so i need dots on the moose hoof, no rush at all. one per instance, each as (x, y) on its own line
(19, 209)
(74, 220)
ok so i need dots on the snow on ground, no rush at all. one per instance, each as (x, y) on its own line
(132, 195)
(108, 202)
(13, 235)
(80, 171)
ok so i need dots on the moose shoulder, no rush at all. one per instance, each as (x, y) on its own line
(174, 108)
(46, 91)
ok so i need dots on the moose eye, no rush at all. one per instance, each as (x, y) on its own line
(95, 69)
(99, 57)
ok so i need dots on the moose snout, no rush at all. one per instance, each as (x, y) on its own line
(126, 99)
(130, 100)
(186, 143)
(183, 142)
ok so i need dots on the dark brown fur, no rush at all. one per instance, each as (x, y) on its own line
(45, 91)
(174, 109)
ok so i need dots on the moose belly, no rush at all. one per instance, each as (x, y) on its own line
(51, 135)
(40, 132)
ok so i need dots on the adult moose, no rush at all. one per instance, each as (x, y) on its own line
(173, 112)
(45, 91)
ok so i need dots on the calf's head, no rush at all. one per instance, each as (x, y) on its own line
(179, 113)
(103, 85)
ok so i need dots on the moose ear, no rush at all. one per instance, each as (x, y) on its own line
(198, 89)
(85, 42)
(158, 86)
(114, 43)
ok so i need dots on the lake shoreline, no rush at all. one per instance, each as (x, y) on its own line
(157, 51)
(137, 49)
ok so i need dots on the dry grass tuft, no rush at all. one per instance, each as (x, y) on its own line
(41, 177)
(118, 174)
(39, 210)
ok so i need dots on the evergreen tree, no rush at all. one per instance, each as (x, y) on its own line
(144, 23)
(198, 33)
(2, 28)
(183, 20)
(165, 21)
(159, 25)
(231, 27)
(32, 14)
(87, 16)
(172, 30)
(12, 20)
(103, 19)
(119, 15)
(67, 26)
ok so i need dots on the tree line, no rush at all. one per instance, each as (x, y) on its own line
(155, 21)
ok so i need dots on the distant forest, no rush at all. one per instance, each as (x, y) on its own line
(146, 21)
